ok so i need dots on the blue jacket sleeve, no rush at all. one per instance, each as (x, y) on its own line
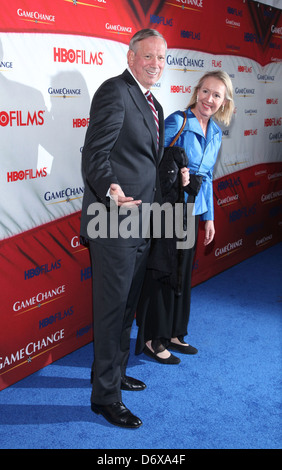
(173, 124)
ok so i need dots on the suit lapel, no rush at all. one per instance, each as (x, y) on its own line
(143, 106)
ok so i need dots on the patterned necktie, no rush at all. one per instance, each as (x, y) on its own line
(149, 97)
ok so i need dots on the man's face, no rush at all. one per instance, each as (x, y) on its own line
(148, 62)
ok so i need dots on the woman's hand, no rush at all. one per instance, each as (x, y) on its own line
(185, 176)
(209, 232)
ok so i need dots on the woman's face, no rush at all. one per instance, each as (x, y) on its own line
(211, 96)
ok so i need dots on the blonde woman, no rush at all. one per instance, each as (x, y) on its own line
(162, 315)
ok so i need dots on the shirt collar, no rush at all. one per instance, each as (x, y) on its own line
(143, 89)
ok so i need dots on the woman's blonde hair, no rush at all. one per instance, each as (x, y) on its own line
(224, 114)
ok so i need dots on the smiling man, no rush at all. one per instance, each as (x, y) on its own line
(122, 150)
(146, 60)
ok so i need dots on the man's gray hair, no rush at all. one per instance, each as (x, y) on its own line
(144, 34)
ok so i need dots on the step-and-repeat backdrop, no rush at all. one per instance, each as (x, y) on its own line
(53, 56)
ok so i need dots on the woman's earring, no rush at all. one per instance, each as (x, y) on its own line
(222, 108)
(197, 99)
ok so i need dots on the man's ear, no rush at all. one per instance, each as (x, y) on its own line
(130, 57)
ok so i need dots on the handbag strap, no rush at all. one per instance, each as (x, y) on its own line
(180, 130)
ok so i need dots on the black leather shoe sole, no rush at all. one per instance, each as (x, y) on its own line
(117, 414)
(170, 360)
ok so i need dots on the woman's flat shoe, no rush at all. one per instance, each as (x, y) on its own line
(169, 360)
(182, 348)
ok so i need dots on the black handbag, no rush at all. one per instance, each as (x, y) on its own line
(195, 182)
(165, 261)
(174, 158)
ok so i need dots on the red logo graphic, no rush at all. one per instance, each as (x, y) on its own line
(79, 56)
(9, 118)
(26, 174)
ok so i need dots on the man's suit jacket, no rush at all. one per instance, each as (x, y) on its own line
(121, 145)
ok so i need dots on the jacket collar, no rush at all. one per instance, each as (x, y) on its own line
(143, 89)
(141, 102)
(193, 125)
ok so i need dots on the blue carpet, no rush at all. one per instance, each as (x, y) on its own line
(228, 396)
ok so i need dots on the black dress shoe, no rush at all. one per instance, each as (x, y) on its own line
(131, 384)
(182, 348)
(128, 383)
(117, 414)
(169, 360)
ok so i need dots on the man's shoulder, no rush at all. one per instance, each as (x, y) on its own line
(120, 79)
(118, 82)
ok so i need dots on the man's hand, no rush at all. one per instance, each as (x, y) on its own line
(120, 199)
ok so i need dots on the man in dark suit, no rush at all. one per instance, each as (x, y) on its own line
(123, 148)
